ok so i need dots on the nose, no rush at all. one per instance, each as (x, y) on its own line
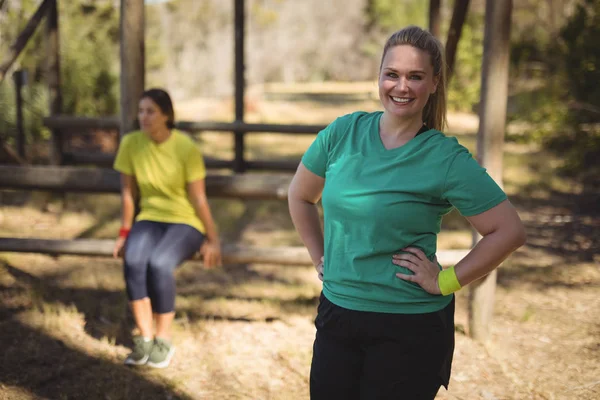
(402, 84)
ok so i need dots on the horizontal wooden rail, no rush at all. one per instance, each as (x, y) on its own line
(101, 180)
(232, 254)
(68, 122)
(107, 159)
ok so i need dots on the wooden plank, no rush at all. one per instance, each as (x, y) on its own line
(84, 123)
(490, 141)
(21, 41)
(239, 163)
(101, 180)
(106, 160)
(232, 253)
(132, 61)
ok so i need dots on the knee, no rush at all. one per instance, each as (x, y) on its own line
(134, 263)
(160, 267)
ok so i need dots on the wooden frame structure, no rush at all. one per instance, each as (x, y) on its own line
(490, 135)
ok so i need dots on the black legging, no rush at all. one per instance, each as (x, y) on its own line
(360, 355)
(152, 252)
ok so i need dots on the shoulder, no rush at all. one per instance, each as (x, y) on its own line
(184, 143)
(358, 117)
(345, 124)
(446, 146)
(133, 137)
(182, 138)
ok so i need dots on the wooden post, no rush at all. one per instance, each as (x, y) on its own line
(21, 41)
(239, 31)
(53, 79)
(456, 24)
(20, 78)
(132, 61)
(490, 140)
(434, 17)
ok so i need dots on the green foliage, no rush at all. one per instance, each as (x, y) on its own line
(465, 84)
(581, 56)
(565, 111)
(89, 55)
(89, 33)
(581, 62)
(391, 15)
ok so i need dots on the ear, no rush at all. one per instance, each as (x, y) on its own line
(436, 80)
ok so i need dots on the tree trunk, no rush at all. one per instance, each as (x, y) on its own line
(434, 17)
(456, 24)
(132, 61)
(490, 140)
(53, 79)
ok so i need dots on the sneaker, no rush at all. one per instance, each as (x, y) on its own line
(161, 354)
(141, 351)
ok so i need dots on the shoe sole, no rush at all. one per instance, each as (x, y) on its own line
(165, 363)
(129, 361)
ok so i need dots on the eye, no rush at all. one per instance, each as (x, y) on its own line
(392, 75)
(415, 77)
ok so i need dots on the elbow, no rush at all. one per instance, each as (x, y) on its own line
(520, 236)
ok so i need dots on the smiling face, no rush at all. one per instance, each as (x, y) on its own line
(151, 117)
(406, 81)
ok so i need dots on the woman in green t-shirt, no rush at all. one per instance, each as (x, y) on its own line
(163, 169)
(385, 322)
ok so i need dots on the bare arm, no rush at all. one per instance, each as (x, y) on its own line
(197, 195)
(304, 192)
(502, 231)
(128, 196)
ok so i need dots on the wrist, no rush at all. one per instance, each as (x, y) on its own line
(448, 282)
(124, 232)
(213, 239)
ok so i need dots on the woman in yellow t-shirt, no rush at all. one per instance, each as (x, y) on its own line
(163, 169)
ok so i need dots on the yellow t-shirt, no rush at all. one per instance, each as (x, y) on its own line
(162, 172)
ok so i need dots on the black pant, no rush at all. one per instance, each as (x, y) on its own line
(369, 355)
(152, 252)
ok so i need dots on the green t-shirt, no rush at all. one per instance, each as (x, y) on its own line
(378, 201)
(162, 172)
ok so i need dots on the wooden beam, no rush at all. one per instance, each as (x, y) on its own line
(21, 41)
(69, 122)
(459, 15)
(99, 180)
(132, 61)
(106, 160)
(490, 140)
(19, 78)
(239, 164)
(232, 253)
(435, 20)
(53, 79)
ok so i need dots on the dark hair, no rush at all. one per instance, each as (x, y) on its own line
(434, 113)
(162, 99)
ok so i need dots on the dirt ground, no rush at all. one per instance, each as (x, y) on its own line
(246, 331)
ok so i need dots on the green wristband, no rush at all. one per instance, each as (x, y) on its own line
(448, 282)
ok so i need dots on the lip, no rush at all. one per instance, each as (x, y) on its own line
(401, 104)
